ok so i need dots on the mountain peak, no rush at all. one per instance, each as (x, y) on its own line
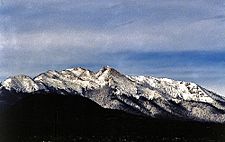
(79, 71)
(107, 71)
(20, 83)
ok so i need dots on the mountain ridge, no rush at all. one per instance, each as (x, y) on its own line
(146, 95)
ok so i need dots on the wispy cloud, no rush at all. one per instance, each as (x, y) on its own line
(127, 25)
(200, 35)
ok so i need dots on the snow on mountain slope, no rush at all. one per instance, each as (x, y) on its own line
(20, 83)
(145, 95)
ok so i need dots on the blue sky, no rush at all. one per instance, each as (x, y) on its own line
(180, 39)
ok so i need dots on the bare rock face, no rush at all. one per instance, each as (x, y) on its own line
(143, 95)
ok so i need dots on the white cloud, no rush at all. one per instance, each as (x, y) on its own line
(81, 39)
(118, 25)
(200, 35)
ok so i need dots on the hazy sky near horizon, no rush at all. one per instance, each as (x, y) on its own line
(179, 39)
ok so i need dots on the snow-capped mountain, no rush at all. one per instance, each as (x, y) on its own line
(143, 95)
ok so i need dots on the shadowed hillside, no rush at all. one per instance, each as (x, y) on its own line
(74, 118)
